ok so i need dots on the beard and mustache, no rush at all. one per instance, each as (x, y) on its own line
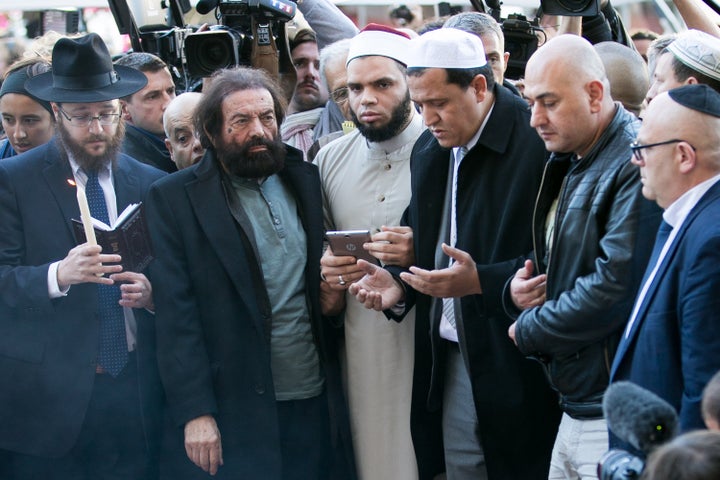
(85, 160)
(239, 160)
(398, 120)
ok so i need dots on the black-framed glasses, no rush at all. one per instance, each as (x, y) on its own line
(637, 148)
(340, 95)
(86, 120)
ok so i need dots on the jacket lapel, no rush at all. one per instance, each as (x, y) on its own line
(57, 173)
(207, 198)
(127, 185)
(712, 195)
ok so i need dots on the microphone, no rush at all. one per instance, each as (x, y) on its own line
(638, 416)
(206, 6)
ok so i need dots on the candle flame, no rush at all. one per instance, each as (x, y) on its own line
(72, 183)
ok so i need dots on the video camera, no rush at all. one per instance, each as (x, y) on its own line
(521, 36)
(249, 32)
(640, 419)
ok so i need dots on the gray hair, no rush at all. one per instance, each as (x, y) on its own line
(476, 23)
(331, 52)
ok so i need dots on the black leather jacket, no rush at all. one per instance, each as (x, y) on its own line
(604, 231)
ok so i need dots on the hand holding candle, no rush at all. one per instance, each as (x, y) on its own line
(85, 214)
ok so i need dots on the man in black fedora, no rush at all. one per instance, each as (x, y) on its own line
(77, 368)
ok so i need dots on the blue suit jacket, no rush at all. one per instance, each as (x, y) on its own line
(674, 346)
(48, 346)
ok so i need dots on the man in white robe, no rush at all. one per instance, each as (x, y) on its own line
(366, 185)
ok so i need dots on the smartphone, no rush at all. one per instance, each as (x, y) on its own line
(349, 243)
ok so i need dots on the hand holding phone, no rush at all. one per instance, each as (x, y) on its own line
(350, 243)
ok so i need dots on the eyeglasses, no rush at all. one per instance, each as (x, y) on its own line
(637, 148)
(86, 120)
(340, 95)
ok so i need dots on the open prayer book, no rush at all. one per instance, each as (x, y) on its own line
(127, 237)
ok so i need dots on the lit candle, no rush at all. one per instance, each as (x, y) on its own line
(85, 214)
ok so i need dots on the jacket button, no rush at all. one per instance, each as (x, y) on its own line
(259, 389)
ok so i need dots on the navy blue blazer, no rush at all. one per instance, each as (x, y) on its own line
(48, 347)
(674, 346)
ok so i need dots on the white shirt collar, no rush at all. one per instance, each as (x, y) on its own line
(676, 213)
(475, 138)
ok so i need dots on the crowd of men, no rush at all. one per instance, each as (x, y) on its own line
(531, 246)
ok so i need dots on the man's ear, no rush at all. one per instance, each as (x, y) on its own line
(506, 59)
(685, 157)
(125, 112)
(596, 93)
(479, 83)
(170, 148)
(56, 111)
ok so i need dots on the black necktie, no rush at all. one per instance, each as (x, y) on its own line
(113, 349)
(662, 235)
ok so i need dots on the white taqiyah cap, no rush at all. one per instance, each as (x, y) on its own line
(379, 40)
(446, 48)
(699, 51)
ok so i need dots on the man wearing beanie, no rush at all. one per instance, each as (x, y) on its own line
(27, 120)
(671, 344)
(693, 57)
(80, 395)
(366, 185)
(475, 174)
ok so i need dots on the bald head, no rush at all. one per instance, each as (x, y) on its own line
(568, 90)
(691, 156)
(627, 73)
(572, 55)
(181, 141)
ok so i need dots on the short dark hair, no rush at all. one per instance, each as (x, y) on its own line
(682, 72)
(462, 77)
(644, 35)
(209, 115)
(142, 61)
(303, 36)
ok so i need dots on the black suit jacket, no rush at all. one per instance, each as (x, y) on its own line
(148, 149)
(48, 347)
(497, 184)
(213, 320)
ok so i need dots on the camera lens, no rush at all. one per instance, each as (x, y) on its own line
(207, 52)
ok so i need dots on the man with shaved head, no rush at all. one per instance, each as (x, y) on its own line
(627, 73)
(573, 298)
(671, 344)
(180, 138)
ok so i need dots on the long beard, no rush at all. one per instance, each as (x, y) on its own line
(87, 161)
(240, 161)
(397, 122)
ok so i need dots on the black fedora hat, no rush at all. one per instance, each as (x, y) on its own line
(83, 72)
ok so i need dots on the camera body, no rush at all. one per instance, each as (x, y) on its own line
(619, 464)
(244, 26)
(521, 41)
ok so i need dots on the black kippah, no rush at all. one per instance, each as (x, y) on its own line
(699, 97)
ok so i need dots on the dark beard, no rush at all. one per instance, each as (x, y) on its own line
(398, 120)
(86, 161)
(239, 161)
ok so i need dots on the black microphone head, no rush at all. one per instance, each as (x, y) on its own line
(638, 416)
(206, 6)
